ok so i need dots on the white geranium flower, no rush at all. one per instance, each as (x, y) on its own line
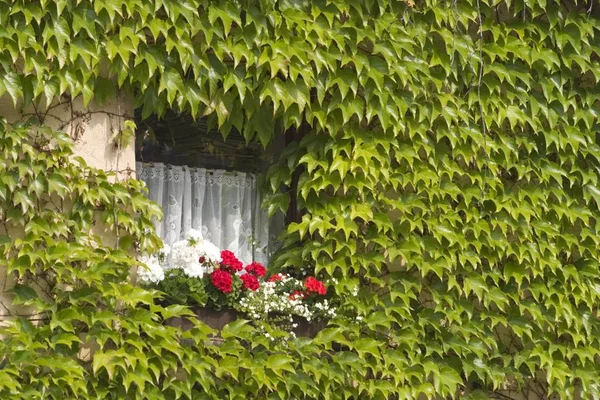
(194, 255)
(165, 251)
(152, 272)
(194, 235)
(164, 257)
(194, 270)
(182, 254)
(209, 251)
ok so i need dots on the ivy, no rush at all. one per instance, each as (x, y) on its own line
(449, 172)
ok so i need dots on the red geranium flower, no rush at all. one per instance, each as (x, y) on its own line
(229, 260)
(256, 269)
(250, 282)
(276, 277)
(222, 280)
(314, 285)
(296, 294)
(201, 260)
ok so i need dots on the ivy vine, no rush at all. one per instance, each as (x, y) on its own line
(450, 169)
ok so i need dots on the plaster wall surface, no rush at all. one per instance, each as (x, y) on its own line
(91, 128)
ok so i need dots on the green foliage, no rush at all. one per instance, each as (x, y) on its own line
(124, 137)
(181, 289)
(81, 329)
(450, 169)
(73, 285)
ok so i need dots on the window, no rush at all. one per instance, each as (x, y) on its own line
(208, 183)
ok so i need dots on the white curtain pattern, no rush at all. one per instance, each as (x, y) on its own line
(224, 206)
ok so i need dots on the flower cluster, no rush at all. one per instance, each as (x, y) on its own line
(281, 298)
(151, 271)
(256, 269)
(152, 268)
(222, 280)
(315, 286)
(230, 262)
(250, 282)
(194, 255)
(195, 271)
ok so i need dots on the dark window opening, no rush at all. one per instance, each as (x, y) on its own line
(209, 183)
(180, 140)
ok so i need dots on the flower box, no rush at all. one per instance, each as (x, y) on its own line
(308, 328)
(219, 288)
(217, 319)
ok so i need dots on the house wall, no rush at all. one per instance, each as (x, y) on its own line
(92, 129)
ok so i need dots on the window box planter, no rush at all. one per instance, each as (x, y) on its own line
(217, 319)
(307, 328)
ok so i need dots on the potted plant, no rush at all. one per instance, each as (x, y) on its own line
(298, 306)
(218, 288)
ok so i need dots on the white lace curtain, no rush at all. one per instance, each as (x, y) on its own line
(224, 206)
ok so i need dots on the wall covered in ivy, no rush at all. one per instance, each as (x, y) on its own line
(473, 122)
